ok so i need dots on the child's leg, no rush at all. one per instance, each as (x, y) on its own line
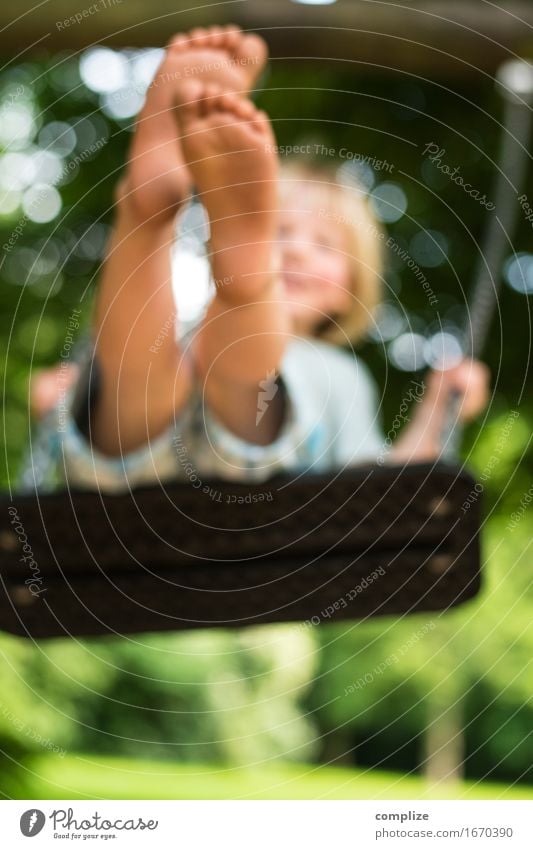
(157, 175)
(230, 151)
(138, 390)
(141, 390)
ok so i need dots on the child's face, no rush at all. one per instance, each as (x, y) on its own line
(314, 263)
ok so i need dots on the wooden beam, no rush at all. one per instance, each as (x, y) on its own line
(433, 38)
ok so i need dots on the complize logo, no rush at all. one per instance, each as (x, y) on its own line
(32, 822)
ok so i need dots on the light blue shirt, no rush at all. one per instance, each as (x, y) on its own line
(331, 421)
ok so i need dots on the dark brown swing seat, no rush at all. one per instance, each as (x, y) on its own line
(368, 541)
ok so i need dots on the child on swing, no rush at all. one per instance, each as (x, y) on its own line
(262, 385)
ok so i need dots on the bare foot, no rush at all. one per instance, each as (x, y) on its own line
(158, 178)
(230, 152)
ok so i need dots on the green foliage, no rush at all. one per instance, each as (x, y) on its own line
(192, 697)
(368, 682)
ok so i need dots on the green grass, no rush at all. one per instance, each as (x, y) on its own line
(85, 776)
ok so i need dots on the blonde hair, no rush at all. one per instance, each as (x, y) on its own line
(346, 204)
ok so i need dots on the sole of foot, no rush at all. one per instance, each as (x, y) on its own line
(229, 148)
(158, 178)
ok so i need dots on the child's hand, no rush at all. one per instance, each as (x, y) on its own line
(470, 380)
(421, 439)
(49, 385)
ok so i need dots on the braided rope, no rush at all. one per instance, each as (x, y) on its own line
(511, 171)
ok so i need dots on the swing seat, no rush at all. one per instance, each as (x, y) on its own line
(367, 541)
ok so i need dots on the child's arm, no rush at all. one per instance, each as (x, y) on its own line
(421, 439)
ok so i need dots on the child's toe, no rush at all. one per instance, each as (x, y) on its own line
(261, 123)
(215, 37)
(189, 99)
(198, 38)
(252, 50)
(211, 98)
(232, 37)
(232, 103)
(178, 42)
(244, 108)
